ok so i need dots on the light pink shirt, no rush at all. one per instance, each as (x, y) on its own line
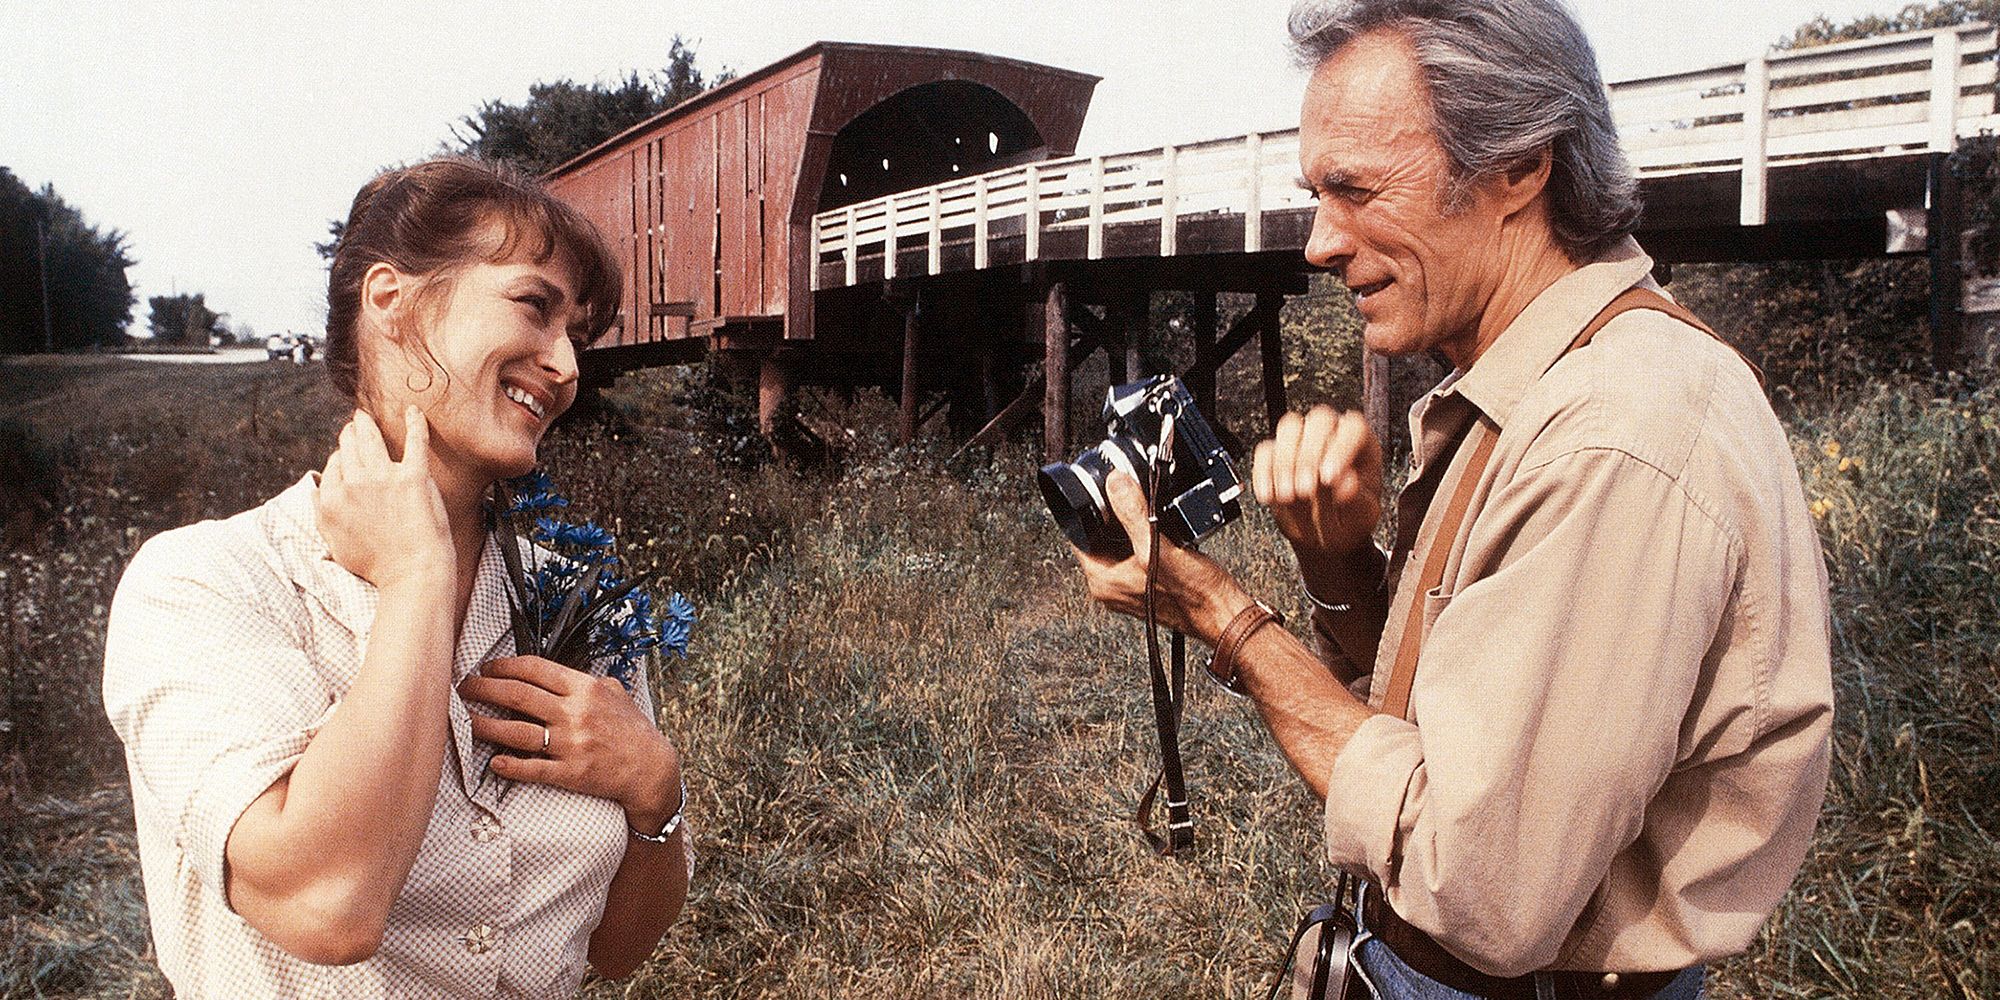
(230, 643)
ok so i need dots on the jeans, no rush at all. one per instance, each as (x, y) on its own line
(1390, 979)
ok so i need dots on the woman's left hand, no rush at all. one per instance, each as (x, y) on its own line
(599, 743)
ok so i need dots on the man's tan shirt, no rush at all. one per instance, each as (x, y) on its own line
(1622, 710)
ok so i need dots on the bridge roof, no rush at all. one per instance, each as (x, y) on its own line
(815, 51)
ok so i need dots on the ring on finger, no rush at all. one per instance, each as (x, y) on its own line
(545, 739)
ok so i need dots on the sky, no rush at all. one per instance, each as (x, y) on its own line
(221, 137)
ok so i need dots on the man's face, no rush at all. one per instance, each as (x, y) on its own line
(1421, 275)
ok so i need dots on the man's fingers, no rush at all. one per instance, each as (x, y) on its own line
(1260, 472)
(1343, 449)
(416, 439)
(1284, 453)
(1318, 428)
(1129, 503)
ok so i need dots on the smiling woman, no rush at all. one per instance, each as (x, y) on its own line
(306, 690)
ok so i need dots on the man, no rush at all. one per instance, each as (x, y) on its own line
(1600, 767)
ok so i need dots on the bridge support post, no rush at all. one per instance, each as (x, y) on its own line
(774, 392)
(1201, 378)
(1273, 351)
(1055, 373)
(1375, 392)
(906, 427)
(1946, 246)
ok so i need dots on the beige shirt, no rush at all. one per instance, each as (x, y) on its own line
(1622, 710)
(230, 644)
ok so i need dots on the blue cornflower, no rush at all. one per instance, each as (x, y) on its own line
(534, 492)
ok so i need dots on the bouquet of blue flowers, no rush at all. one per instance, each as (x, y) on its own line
(575, 607)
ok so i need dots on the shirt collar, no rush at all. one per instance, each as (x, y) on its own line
(1538, 336)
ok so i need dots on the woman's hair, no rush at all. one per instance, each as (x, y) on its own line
(434, 218)
(1508, 78)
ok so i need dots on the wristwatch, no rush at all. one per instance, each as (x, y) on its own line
(673, 822)
(1223, 667)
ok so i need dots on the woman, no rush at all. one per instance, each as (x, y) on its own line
(316, 815)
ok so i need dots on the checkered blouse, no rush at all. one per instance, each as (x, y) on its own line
(230, 644)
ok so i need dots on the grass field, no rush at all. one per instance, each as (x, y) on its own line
(914, 745)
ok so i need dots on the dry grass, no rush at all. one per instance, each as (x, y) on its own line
(913, 743)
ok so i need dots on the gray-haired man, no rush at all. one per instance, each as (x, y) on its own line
(1587, 732)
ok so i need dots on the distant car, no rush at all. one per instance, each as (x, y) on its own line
(275, 348)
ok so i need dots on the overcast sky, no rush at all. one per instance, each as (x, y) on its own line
(222, 137)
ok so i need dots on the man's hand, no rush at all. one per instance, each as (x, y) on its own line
(1321, 475)
(1194, 596)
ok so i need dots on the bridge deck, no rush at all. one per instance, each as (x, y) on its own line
(1894, 97)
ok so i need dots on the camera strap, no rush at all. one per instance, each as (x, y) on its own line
(1169, 691)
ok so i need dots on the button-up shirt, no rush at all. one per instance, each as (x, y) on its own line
(230, 643)
(1619, 726)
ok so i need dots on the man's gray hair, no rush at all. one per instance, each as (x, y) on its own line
(1507, 78)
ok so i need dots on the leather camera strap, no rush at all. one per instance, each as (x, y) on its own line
(1403, 674)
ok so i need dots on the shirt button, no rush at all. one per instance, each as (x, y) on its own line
(485, 829)
(479, 940)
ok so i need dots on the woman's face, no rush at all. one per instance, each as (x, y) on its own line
(503, 338)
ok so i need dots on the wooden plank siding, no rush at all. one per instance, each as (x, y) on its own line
(707, 202)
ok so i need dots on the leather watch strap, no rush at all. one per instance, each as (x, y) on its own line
(1224, 667)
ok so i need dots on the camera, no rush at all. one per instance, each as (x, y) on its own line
(1149, 422)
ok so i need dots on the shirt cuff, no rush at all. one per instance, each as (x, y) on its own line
(230, 784)
(1366, 792)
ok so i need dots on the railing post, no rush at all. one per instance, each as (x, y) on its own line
(937, 234)
(980, 222)
(1032, 219)
(889, 241)
(1095, 249)
(1944, 91)
(1253, 213)
(852, 250)
(818, 241)
(1170, 196)
(1756, 131)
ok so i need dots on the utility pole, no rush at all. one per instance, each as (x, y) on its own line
(42, 255)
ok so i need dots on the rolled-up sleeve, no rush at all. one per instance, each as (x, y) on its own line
(1550, 696)
(210, 691)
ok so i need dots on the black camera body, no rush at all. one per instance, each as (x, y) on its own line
(1156, 418)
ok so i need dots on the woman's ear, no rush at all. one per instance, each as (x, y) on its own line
(385, 291)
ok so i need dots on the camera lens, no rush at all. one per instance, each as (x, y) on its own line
(1075, 494)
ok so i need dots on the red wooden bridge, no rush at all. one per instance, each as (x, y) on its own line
(915, 219)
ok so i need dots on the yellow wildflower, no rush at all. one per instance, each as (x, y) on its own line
(1820, 508)
(1832, 449)
(1848, 463)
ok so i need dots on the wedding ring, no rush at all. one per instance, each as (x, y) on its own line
(545, 739)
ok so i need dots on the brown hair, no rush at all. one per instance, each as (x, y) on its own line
(431, 219)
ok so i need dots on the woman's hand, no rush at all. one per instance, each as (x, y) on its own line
(1321, 476)
(599, 743)
(1193, 594)
(384, 520)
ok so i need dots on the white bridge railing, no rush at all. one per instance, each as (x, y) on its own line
(1890, 96)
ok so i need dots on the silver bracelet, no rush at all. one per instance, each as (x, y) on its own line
(673, 823)
(1322, 605)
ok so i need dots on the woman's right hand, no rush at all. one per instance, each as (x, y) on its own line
(1321, 475)
(384, 520)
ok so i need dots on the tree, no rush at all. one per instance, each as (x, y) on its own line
(1914, 17)
(62, 281)
(182, 319)
(563, 119)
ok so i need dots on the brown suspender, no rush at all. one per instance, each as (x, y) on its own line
(1396, 700)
